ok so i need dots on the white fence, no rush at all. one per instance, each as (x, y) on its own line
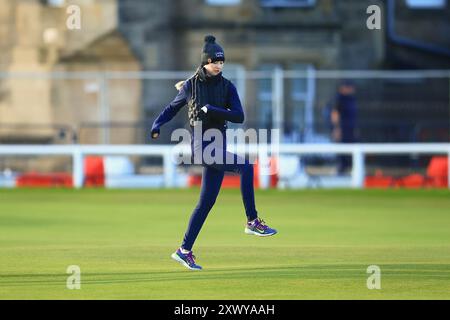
(167, 152)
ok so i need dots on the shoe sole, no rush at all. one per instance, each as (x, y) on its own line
(248, 231)
(178, 259)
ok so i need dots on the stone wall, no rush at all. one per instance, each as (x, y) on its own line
(34, 39)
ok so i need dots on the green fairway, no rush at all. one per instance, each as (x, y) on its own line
(122, 241)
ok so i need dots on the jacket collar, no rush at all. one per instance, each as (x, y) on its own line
(203, 76)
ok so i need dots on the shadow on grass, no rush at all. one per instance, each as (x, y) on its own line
(305, 272)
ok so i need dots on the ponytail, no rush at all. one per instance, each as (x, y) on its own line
(179, 84)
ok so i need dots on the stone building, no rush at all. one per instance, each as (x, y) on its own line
(35, 40)
(256, 35)
(296, 35)
(99, 102)
(155, 35)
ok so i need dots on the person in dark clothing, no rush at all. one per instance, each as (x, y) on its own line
(343, 117)
(212, 101)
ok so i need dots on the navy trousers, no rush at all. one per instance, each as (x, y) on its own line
(212, 178)
(345, 161)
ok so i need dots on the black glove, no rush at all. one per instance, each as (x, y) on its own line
(202, 114)
(155, 133)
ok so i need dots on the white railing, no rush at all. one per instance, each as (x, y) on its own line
(167, 152)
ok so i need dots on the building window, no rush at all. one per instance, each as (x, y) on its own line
(426, 4)
(223, 2)
(287, 3)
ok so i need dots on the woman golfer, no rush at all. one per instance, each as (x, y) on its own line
(212, 101)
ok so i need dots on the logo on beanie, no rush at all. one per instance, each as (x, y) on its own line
(219, 54)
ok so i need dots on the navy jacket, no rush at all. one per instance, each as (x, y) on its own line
(233, 111)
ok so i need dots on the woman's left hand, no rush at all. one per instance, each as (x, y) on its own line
(203, 113)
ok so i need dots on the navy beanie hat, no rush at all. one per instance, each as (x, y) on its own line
(211, 50)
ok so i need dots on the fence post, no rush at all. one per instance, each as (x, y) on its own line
(278, 101)
(78, 170)
(241, 78)
(169, 168)
(263, 166)
(358, 173)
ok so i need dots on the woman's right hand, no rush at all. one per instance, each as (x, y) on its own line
(155, 133)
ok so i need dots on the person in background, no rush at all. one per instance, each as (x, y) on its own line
(343, 119)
